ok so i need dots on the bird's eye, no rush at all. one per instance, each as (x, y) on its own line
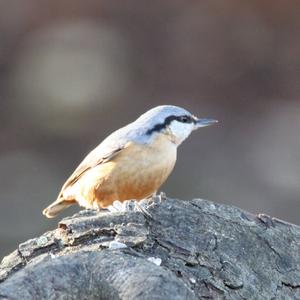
(184, 119)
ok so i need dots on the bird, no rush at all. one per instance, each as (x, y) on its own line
(131, 163)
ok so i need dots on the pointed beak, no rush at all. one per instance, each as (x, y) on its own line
(204, 122)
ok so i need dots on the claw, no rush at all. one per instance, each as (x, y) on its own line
(142, 207)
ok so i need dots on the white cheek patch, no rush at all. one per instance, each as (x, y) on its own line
(181, 130)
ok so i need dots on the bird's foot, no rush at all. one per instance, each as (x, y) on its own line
(143, 206)
(140, 206)
(130, 206)
(125, 206)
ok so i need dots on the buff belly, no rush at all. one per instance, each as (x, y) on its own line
(136, 173)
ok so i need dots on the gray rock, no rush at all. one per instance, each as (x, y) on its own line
(207, 251)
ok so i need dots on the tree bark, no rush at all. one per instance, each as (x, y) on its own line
(174, 250)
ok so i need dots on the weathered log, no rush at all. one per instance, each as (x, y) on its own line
(176, 250)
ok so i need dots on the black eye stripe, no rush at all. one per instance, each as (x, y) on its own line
(168, 120)
(185, 119)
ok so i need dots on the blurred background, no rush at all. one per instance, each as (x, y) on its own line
(72, 71)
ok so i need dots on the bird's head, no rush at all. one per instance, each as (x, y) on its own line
(173, 121)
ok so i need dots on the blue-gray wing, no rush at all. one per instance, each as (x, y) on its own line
(104, 152)
(91, 160)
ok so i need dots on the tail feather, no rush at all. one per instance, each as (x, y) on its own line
(56, 207)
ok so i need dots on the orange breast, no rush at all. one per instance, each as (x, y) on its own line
(137, 172)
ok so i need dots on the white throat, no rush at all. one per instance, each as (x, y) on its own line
(180, 131)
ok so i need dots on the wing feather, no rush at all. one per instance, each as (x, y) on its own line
(92, 160)
(107, 150)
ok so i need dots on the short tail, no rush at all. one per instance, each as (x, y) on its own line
(56, 207)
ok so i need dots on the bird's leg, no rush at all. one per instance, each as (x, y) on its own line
(150, 201)
(145, 201)
(142, 207)
(162, 196)
(154, 199)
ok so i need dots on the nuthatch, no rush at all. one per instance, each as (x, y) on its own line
(131, 163)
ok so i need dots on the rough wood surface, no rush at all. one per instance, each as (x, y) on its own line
(207, 251)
